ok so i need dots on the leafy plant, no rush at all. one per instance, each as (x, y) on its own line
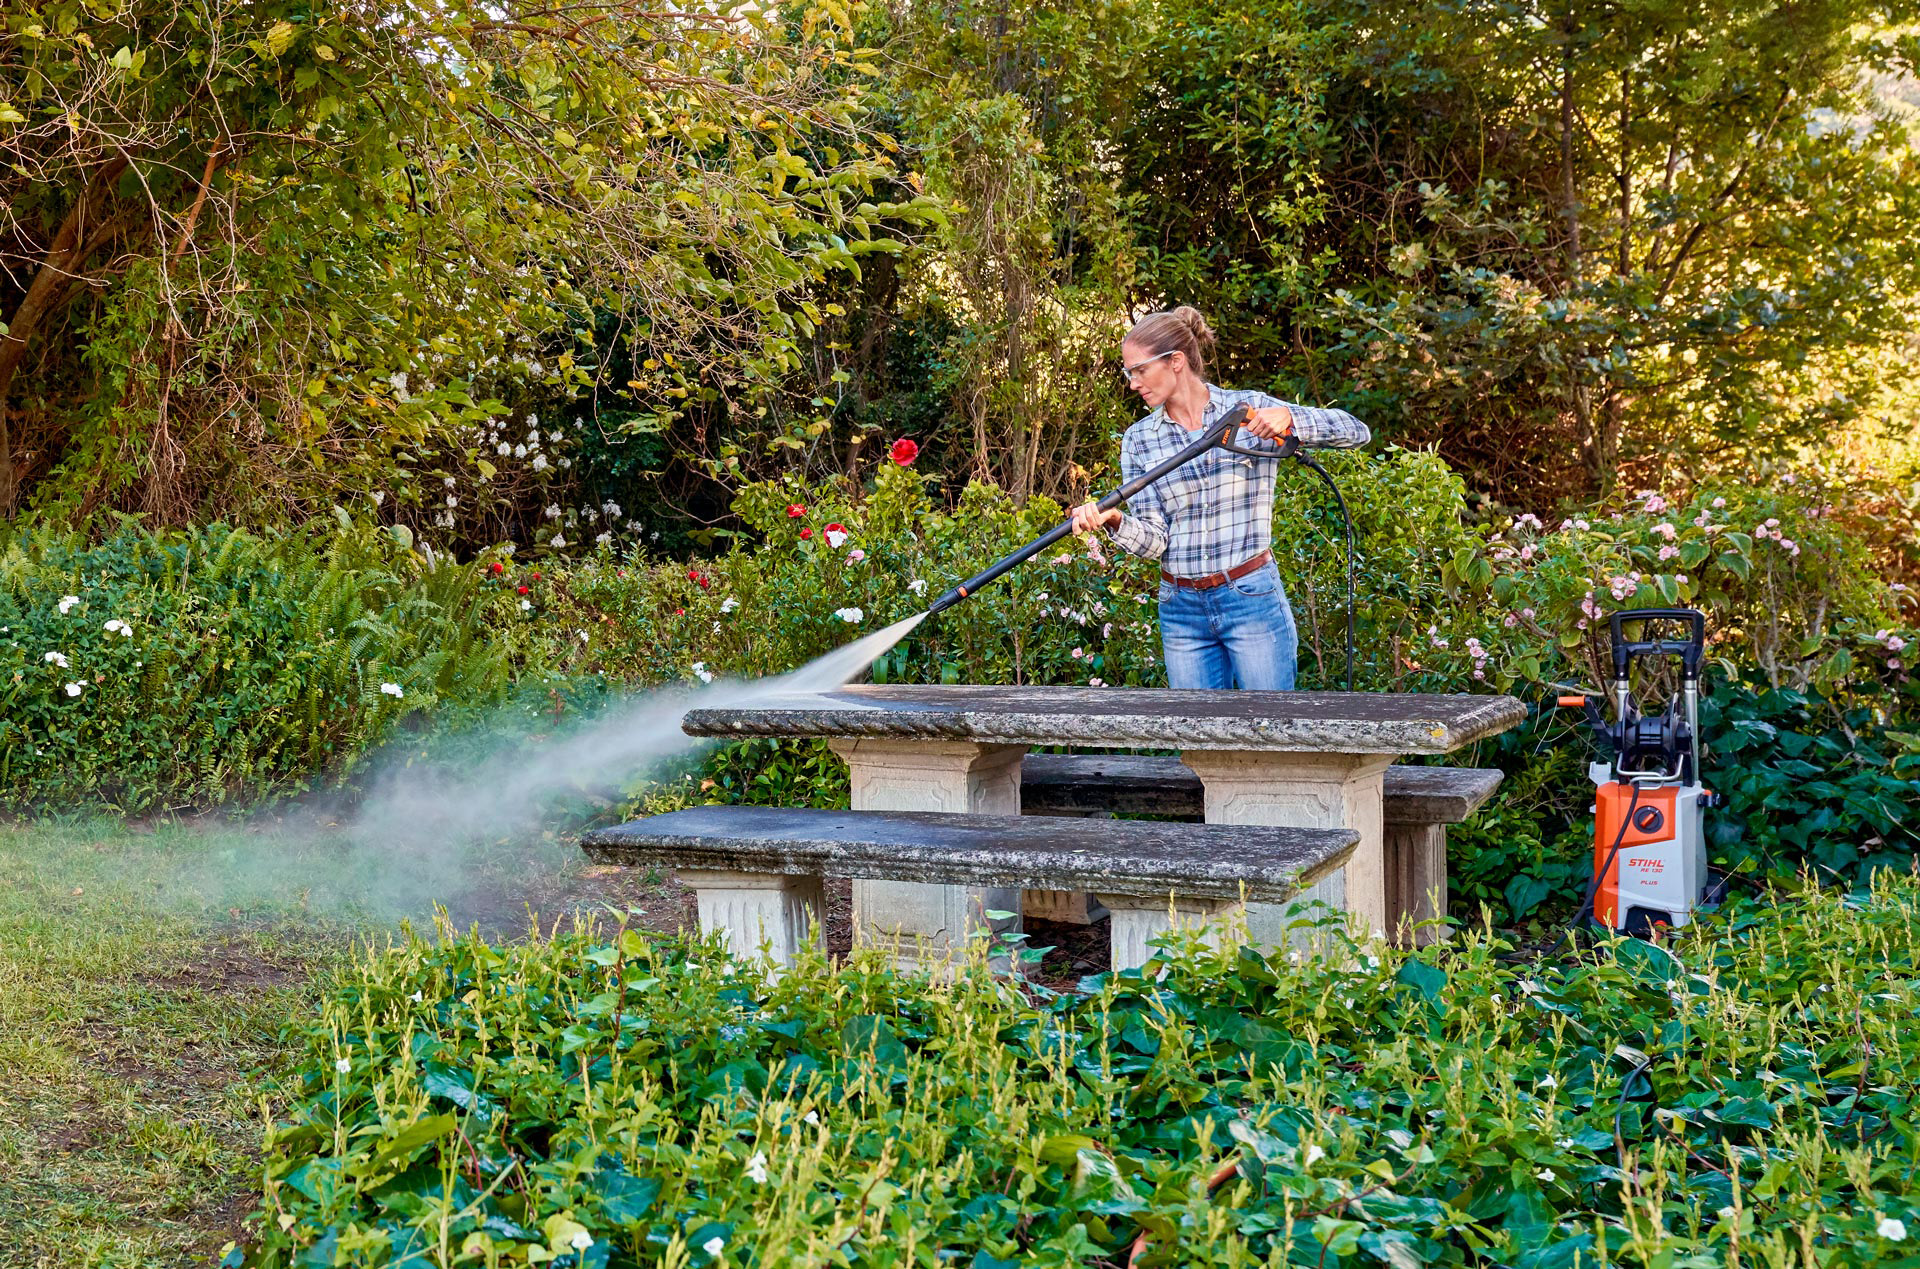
(605, 1099)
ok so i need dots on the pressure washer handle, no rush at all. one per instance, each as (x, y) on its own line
(1214, 436)
(1689, 650)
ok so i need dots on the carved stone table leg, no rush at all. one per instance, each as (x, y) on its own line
(1305, 790)
(758, 912)
(1138, 919)
(926, 925)
(1416, 882)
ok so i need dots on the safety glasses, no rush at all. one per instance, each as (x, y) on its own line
(1130, 373)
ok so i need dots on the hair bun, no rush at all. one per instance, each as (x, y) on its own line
(1190, 317)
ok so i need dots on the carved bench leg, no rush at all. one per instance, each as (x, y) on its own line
(1136, 920)
(1416, 857)
(925, 925)
(757, 911)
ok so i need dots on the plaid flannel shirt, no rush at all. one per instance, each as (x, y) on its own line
(1217, 511)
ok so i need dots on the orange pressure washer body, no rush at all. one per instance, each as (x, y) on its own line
(1649, 830)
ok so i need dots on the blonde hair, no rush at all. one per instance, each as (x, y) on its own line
(1180, 330)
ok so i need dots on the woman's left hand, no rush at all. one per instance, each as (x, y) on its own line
(1271, 422)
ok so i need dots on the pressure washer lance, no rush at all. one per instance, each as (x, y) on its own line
(1217, 436)
(1649, 831)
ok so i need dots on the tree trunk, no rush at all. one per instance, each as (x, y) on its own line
(58, 271)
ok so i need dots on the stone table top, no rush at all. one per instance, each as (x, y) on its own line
(1126, 718)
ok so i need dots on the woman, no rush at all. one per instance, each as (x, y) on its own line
(1224, 617)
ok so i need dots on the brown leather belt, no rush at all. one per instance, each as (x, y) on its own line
(1212, 580)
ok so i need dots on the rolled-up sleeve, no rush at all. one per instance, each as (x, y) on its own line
(1142, 529)
(1328, 429)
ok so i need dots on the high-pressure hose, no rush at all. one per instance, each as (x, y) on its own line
(1217, 436)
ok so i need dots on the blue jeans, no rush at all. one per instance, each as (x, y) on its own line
(1241, 633)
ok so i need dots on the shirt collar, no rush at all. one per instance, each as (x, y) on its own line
(1215, 399)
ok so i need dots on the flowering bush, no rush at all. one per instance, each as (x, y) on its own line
(163, 670)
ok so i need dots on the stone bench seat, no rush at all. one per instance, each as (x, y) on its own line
(756, 870)
(1418, 804)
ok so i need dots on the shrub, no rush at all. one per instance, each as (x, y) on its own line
(156, 670)
(605, 1102)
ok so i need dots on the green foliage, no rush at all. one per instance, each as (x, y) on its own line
(160, 670)
(614, 1101)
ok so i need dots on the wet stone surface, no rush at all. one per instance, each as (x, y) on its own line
(1297, 722)
(1132, 857)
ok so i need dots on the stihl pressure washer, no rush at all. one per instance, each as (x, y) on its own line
(1649, 832)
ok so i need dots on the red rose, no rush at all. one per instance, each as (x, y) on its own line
(805, 534)
(693, 574)
(520, 590)
(795, 511)
(679, 612)
(536, 574)
(904, 452)
(496, 568)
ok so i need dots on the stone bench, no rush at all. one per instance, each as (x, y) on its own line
(1419, 803)
(756, 871)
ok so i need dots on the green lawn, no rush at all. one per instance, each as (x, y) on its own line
(144, 978)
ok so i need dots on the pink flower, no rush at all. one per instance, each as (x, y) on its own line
(1895, 643)
(1076, 654)
(1665, 530)
(1668, 552)
(856, 555)
(1510, 621)
(1096, 683)
(1719, 503)
(1479, 674)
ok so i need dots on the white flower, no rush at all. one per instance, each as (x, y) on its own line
(67, 602)
(757, 1169)
(559, 539)
(504, 448)
(812, 1118)
(553, 511)
(602, 539)
(713, 1245)
(580, 1241)
(730, 604)
(1313, 1156)
(918, 585)
(448, 481)
(55, 658)
(835, 537)
(399, 381)
(526, 605)
(415, 997)
(74, 689)
(379, 496)
(611, 510)
(701, 672)
(583, 636)
(539, 462)
(1544, 1174)
(519, 451)
(1891, 1229)
(343, 1066)
(849, 615)
(452, 501)
(391, 689)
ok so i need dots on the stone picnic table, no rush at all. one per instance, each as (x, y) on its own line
(1285, 759)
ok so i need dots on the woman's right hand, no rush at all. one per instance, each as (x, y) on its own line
(1088, 516)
